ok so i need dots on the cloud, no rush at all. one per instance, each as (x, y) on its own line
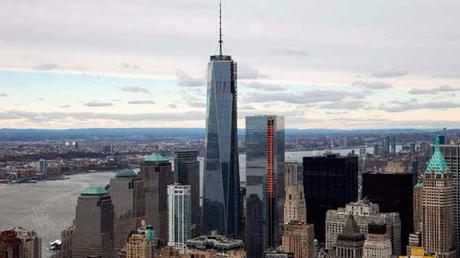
(389, 74)
(249, 73)
(292, 52)
(85, 116)
(135, 89)
(196, 103)
(64, 106)
(188, 81)
(141, 102)
(436, 90)
(173, 106)
(264, 86)
(3, 95)
(344, 104)
(398, 106)
(305, 97)
(246, 107)
(129, 66)
(98, 104)
(47, 66)
(372, 85)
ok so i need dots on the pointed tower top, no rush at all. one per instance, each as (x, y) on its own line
(351, 231)
(436, 163)
(220, 29)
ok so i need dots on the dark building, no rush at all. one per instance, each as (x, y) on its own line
(156, 173)
(221, 182)
(93, 233)
(128, 199)
(187, 172)
(393, 193)
(330, 182)
(9, 244)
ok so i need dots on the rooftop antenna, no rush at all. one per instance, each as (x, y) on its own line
(220, 28)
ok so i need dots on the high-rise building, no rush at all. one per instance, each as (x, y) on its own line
(274, 253)
(10, 244)
(393, 192)
(156, 173)
(417, 206)
(179, 216)
(298, 239)
(140, 243)
(451, 155)
(264, 165)
(42, 166)
(93, 232)
(215, 246)
(31, 244)
(378, 242)
(364, 213)
(221, 182)
(329, 182)
(438, 206)
(128, 199)
(294, 201)
(350, 242)
(187, 172)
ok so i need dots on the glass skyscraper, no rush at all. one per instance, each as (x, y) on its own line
(221, 182)
(264, 183)
(179, 215)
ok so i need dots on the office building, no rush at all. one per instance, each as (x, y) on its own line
(128, 199)
(264, 165)
(93, 232)
(221, 182)
(417, 206)
(364, 213)
(187, 172)
(438, 206)
(451, 154)
(329, 182)
(393, 192)
(156, 173)
(42, 167)
(273, 253)
(350, 242)
(294, 201)
(378, 242)
(140, 243)
(179, 217)
(10, 244)
(298, 239)
(215, 246)
(31, 244)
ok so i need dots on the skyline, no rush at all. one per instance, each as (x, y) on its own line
(325, 65)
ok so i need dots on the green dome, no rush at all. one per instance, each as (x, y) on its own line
(127, 172)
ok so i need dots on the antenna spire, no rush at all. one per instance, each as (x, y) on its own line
(220, 29)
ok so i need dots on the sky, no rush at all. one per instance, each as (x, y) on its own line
(141, 63)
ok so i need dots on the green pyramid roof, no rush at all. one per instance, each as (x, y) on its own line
(437, 163)
(94, 191)
(127, 172)
(155, 157)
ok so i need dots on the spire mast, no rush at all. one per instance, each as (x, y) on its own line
(220, 29)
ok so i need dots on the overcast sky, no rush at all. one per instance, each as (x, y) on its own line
(142, 63)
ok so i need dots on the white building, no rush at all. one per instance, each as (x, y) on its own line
(179, 215)
(378, 242)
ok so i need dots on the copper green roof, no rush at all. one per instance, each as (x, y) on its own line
(94, 191)
(127, 172)
(155, 157)
(436, 164)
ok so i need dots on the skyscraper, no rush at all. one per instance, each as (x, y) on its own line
(417, 206)
(42, 166)
(264, 166)
(156, 173)
(298, 239)
(140, 243)
(187, 172)
(438, 206)
(378, 242)
(221, 182)
(128, 199)
(179, 215)
(393, 192)
(351, 241)
(93, 233)
(329, 182)
(294, 200)
(451, 155)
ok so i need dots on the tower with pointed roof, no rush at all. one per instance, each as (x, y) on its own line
(351, 241)
(438, 206)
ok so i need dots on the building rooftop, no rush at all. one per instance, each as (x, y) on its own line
(216, 242)
(436, 164)
(155, 157)
(94, 191)
(351, 231)
(127, 172)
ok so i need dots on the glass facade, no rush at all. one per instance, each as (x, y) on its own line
(221, 183)
(264, 187)
(179, 217)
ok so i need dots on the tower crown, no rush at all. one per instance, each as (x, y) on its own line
(437, 163)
